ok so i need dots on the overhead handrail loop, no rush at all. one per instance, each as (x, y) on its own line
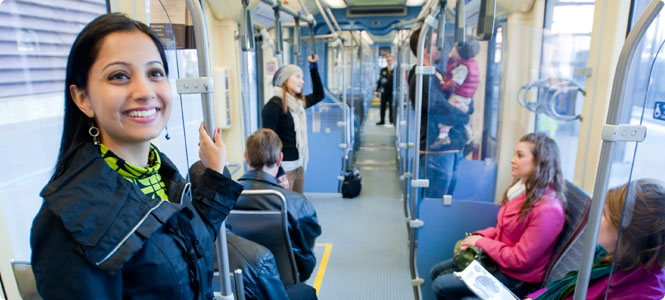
(312, 45)
(289, 11)
(247, 28)
(460, 22)
(297, 49)
(279, 44)
(442, 24)
(607, 149)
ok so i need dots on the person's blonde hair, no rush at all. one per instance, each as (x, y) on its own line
(286, 89)
(641, 240)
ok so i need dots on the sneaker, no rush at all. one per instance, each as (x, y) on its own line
(380, 123)
(438, 144)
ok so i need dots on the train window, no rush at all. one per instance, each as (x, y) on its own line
(35, 39)
(565, 52)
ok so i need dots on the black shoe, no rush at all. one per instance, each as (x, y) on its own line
(380, 123)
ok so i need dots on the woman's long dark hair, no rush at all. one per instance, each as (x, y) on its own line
(546, 172)
(81, 58)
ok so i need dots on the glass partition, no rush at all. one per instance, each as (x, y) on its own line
(633, 224)
(565, 51)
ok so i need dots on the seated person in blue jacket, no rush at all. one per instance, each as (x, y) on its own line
(263, 154)
(118, 221)
(260, 276)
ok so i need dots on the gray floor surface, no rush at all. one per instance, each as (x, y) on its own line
(369, 255)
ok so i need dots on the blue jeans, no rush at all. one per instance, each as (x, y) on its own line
(447, 286)
(441, 170)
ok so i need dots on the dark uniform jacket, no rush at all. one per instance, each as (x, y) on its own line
(303, 224)
(385, 83)
(274, 117)
(97, 236)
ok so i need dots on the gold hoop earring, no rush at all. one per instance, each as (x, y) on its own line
(94, 133)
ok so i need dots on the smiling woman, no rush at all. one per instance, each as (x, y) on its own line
(127, 95)
(116, 210)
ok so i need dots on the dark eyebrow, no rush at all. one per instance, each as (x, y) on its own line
(154, 62)
(126, 64)
(115, 63)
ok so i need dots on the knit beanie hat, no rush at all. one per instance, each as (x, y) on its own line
(283, 73)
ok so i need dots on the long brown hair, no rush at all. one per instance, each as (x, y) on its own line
(641, 240)
(546, 172)
(286, 89)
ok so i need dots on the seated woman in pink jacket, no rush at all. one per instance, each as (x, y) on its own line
(638, 256)
(531, 217)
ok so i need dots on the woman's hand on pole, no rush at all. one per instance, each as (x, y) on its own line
(313, 58)
(212, 152)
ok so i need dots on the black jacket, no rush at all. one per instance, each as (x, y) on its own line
(97, 236)
(274, 117)
(303, 224)
(385, 84)
(436, 109)
(259, 270)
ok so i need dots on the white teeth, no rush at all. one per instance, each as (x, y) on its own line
(142, 113)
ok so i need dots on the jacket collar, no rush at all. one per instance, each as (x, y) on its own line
(107, 215)
(259, 175)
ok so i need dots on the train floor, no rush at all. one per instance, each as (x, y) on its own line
(362, 252)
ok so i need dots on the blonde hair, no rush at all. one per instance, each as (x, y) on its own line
(286, 89)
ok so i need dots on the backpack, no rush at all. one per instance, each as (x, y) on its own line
(350, 184)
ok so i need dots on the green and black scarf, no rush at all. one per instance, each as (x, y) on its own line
(146, 178)
(565, 287)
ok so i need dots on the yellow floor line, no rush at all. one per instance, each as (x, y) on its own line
(322, 267)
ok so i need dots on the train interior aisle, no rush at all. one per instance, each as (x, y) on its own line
(365, 236)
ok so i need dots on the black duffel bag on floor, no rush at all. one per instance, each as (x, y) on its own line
(350, 186)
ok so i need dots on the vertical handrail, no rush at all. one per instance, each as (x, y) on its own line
(351, 107)
(345, 108)
(396, 86)
(428, 24)
(247, 28)
(202, 51)
(607, 149)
